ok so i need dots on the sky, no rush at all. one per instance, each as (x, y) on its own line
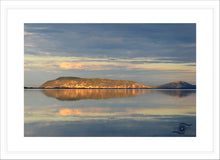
(151, 54)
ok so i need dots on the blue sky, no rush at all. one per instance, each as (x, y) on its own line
(150, 54)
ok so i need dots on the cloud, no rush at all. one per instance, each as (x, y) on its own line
(28, 45)
(187, 45)
(84, 66)
(28, 33)
(27, 69)
(125, 66)
(112, 40)
(67, 65)
(49, 62)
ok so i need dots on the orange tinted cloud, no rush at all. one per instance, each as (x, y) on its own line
(68, 65)
(27, 33)
(107, 66)
(27, 69)
(80, 65)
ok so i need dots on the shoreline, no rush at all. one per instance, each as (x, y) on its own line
(113, 88)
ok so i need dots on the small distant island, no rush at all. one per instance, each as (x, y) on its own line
(98, 83)
(176, 85)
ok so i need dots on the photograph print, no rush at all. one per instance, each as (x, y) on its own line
(110, 80)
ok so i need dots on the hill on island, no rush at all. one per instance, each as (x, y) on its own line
(176, 85)
(76, 82)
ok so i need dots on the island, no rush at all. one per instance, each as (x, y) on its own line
(88, 83)
(98, 83)
(176, 85)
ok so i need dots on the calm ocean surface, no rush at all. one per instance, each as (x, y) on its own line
(109, 113)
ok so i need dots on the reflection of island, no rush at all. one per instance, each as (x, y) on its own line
(178, 92)
(77, 94)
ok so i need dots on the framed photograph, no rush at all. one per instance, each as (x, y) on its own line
(108, 79)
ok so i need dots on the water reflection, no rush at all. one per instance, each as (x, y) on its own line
(106, 112)
(178, 92)
(111, 128)
(84, 111)
(77, 94)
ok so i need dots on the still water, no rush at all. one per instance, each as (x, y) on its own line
(109, 113)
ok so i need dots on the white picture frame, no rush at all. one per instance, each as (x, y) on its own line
(14, 14)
